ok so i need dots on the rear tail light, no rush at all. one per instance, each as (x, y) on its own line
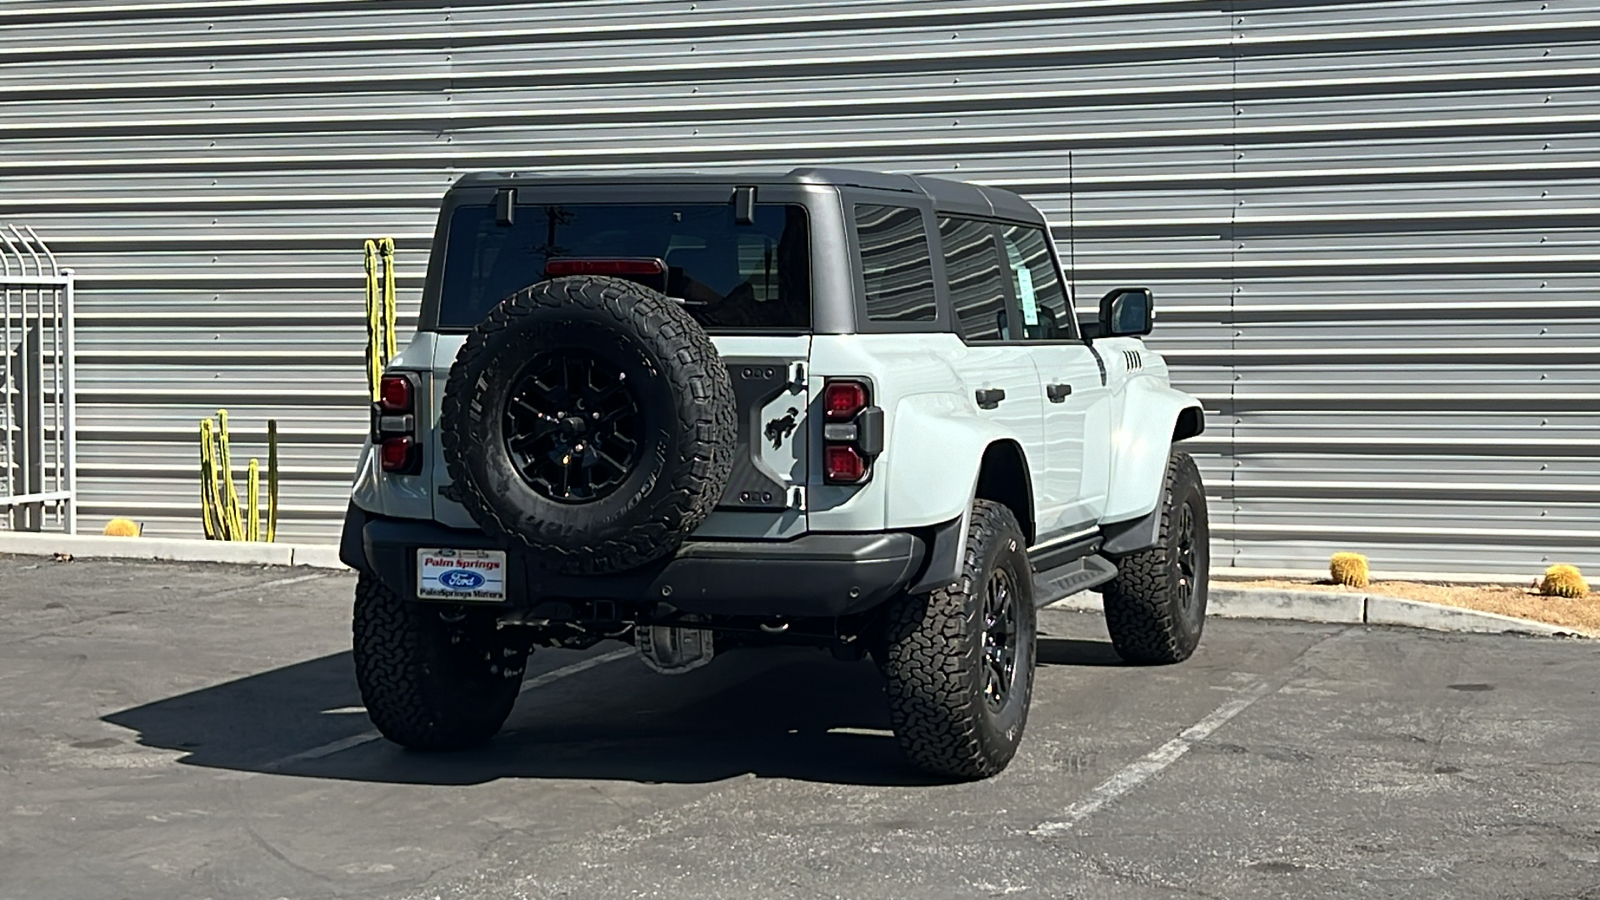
(843, 464)
(843, 399)
(852, 432)
(394, 394)
(394, 424)
(395, 452)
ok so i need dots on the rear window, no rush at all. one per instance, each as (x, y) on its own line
(895, 264)
(728, 276)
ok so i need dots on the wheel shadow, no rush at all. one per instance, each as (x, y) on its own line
(1058, 651)
(785, 714)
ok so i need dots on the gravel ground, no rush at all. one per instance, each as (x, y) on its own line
(1523, 602)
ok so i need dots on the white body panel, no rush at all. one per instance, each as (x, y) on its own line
(1077, 435)
(1146, 411)
(935, 434)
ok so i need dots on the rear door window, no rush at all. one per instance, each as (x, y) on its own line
(977, 280)
(896, 267)
(1041, 297)
(729, 276)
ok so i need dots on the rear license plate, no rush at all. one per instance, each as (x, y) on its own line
(445, 574)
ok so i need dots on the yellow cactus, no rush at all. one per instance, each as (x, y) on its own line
(1349, 569)
(210, 511)
(253, 529)
(1563, 581)
(122, 528)
(222, 514)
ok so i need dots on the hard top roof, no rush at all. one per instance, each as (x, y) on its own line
(947, 195)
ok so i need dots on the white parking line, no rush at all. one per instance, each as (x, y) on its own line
(1135, 773)
(287, 581)
(356, 740)
(582, 665)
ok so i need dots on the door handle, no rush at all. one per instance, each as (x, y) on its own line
(989, 398)
(1058, 393)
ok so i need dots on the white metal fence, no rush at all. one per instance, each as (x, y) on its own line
(38, 421)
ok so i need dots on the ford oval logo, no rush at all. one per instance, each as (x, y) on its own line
(461, 579)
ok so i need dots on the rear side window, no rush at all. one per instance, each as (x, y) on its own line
(1037, 283)
(977, 285)
(895, 264)
(728, 276)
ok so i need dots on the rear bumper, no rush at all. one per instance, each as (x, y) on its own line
(816, 575)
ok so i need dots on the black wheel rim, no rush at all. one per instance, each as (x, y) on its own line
(573, 426)
(999, 637)
(1186, 558)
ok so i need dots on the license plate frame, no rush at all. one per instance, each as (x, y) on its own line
(461, 576)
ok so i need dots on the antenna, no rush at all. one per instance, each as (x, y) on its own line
(1072, 237)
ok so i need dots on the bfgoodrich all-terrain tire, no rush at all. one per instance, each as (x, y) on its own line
(591, 421)
(1156, 606)
(959, 660)
(433, 677)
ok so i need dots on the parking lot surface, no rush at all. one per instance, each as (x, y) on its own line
(187, 731)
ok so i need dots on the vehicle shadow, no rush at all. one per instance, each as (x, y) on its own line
(790, 713)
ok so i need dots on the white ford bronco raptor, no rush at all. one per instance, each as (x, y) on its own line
(706, 412)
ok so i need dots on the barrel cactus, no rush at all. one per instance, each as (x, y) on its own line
(1563, 581)
(1349, 569)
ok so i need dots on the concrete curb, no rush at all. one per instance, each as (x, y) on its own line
(1237, 603)
(1246, 573)
(1347, 608)
(94, 546)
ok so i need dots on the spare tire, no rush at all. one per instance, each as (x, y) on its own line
(591, 421)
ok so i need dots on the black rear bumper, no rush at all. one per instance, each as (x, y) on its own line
(817, 575)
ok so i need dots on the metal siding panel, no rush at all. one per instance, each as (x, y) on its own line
(1369, 225)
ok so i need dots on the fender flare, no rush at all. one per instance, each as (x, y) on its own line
(1140, 450)
(927, 488)
(943, 502)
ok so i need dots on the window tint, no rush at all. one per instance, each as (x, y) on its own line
(977, 286)
(1040, 294)
(727, 275)
(895, 264)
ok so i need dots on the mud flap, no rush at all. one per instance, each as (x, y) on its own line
(673, 650)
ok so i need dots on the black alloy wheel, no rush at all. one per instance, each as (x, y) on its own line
(1185, 559)
(574, 427)
(999, 638)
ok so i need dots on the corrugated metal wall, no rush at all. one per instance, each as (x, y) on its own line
(1371, 226)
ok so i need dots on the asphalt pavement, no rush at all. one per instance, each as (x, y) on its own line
(190, 731)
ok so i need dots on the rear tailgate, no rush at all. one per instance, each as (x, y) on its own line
(766, 491)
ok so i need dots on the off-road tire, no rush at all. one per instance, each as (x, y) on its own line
(430, 683)
(1150, 615)
(685, 401)
(933, 657)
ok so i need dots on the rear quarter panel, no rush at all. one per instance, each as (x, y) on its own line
(934, 437)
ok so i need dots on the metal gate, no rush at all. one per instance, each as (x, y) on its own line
(38, 419)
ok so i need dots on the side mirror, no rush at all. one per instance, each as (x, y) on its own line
(1126, 312)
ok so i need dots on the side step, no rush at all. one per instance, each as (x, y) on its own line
(1068, 579)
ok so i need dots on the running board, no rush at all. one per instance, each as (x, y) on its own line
(1065, 580)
